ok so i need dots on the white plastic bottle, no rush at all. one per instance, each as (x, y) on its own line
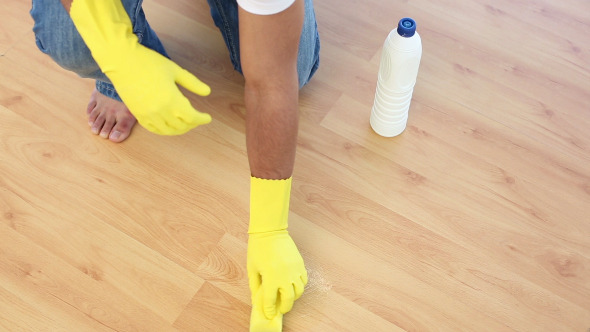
(398, 70)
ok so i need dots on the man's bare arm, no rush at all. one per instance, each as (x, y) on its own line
(269, 46)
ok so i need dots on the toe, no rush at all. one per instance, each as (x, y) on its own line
(92, 103)
(97, 124)
(107, 126)
(93, 115)
(109, 118)
(122, 129)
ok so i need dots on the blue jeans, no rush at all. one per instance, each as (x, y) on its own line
(57, 36)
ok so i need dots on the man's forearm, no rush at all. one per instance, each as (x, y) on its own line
(271, 129)
(269, 47)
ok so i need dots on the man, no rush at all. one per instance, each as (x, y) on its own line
(274, 43)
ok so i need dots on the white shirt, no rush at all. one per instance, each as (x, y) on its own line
(265, 7)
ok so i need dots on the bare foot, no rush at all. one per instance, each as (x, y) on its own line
(109, 118)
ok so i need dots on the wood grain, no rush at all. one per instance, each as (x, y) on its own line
(474, 219)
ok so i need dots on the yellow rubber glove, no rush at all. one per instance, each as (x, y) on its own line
(145, 80)
(258, 322)
(276, 272)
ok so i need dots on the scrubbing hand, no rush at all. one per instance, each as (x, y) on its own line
(145, 80)
(276, 272)
(276, 268)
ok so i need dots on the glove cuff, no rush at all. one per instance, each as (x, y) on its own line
(269, 205)
(105, 27)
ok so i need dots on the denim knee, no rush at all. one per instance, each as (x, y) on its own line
(225, 17)
(308, 58)
(56, 36)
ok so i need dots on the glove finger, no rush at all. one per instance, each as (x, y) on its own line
(186, 113)
(287, 299)
(254, 281)
(258, 321)
(191, 82)
(177, 126)
(190, 114)
(167, 127)
(304, 276)
(269, 301)
(198, 119)
(298, 288)
(150, 126)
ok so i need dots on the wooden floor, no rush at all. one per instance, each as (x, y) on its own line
(476, 218)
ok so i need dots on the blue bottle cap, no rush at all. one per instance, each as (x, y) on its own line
(406, 27)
